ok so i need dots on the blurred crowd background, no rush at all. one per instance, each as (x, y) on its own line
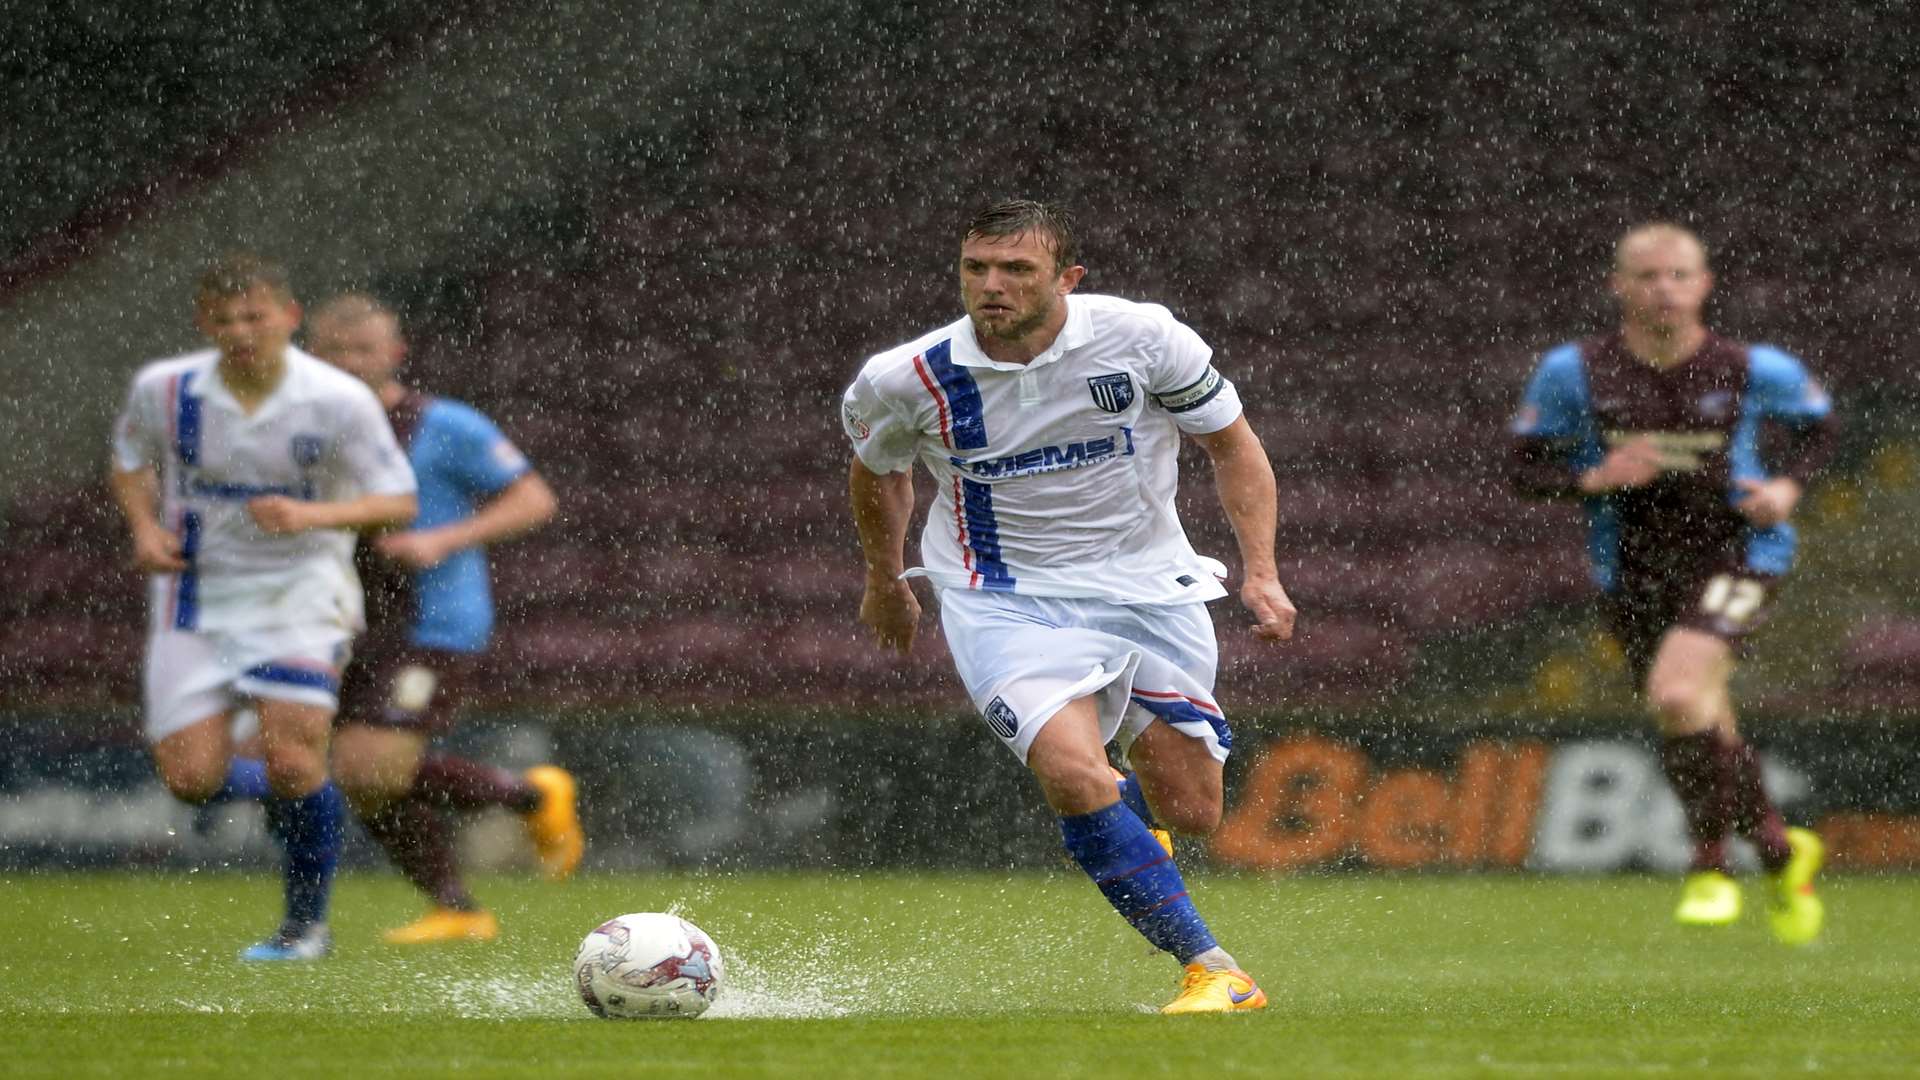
(656, 240)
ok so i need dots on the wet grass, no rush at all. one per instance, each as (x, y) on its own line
(935, 975)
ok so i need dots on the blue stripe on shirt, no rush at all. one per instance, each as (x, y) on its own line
(186, 422)
(983, 536)
(969, 417)
(186, 586)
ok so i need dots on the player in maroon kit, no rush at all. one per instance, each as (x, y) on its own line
(1659, 428)
(429, 621)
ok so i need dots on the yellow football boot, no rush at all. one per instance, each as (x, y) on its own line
(555, 826)
(1165, 838)
(1205, 990)
(1709, 898)
(1793, 911)
(444, 925)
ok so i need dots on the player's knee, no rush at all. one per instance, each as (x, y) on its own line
(371, 767)
(360, 784)
(295, 771)
(190, 777)
(192, 785)
(367, 790)
(1679, 705)
(1073, 786)
(353, 770)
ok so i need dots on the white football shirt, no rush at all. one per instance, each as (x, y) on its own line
(320, 436)
(1055, 477)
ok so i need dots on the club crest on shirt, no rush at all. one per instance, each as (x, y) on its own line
(307, 450)
(1113, 393)
(1001, 718)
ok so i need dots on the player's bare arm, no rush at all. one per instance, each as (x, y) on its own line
(1634, 463)
(278, 515)
(1244, 478)
(521, 507)
(882, 507)
(156, 549)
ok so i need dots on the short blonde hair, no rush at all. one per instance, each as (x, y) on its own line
(1662, 230)
(353, 309)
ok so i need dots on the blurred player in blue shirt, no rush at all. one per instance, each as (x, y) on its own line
(1665, 430)
(429, 619)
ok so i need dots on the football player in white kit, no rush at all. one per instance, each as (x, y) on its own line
(1071, 600)
(243, 472)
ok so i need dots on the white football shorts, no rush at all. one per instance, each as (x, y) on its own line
(193, 674)
(1023, 657)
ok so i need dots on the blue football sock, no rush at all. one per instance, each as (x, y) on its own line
(1136, 800)
(246, 781)
(309, 830)
(1138, 878)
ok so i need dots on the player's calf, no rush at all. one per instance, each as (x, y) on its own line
(1180, 779)
(1187, 813)
(1138, 878)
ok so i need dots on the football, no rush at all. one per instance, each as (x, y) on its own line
(647, 966)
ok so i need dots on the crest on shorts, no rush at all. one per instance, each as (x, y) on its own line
(1001, 718)
(1716, 404)
(1113, 393)
(307, 450)
(856, 424)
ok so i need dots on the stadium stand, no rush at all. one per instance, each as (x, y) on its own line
(150, 102)
(1879, 663)
(1373, 296)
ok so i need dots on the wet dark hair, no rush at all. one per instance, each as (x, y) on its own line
(237, 272)
(1016, 216)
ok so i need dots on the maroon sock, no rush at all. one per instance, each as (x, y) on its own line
(420, 843)
(458, 783)
(1698, 771)
(1753, 813)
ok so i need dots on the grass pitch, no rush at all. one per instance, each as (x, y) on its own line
(944, 975)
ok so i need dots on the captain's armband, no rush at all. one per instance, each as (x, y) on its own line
(1193, 395)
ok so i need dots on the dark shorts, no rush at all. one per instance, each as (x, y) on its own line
(405, 687)
(1728, 604)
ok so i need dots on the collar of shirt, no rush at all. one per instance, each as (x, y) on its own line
(1075, 333)
(213, 388)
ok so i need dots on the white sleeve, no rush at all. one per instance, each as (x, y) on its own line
(1187, 385)
(883, 440)
(136, 434)
(370, 456)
